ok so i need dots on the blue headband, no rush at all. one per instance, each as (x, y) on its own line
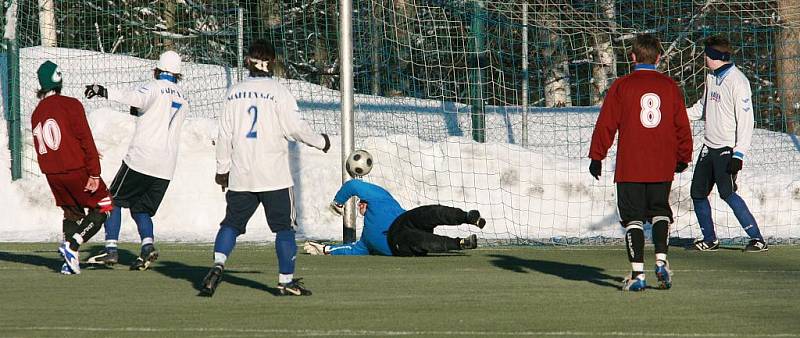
(168, 77)
(714, 54)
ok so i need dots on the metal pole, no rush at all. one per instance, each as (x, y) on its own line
(240, 45)
(525, 76)
(478, 105)
(348, 118)
(13, 114)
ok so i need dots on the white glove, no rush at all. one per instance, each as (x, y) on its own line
(314, 248)
(336, 208)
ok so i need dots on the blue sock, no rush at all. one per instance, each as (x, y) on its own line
(702, 209)
(286, 248)
(226, 240)
(746, 219)
(113, 224)
(144, 223)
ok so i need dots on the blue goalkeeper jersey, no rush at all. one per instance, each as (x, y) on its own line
(382, 210)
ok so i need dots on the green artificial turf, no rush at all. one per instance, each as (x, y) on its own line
(498, 291)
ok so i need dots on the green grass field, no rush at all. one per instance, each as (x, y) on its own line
(513, 291)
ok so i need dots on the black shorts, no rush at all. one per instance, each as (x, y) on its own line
(643, 201)
(278, 207)
(711, 168)
(136, 191)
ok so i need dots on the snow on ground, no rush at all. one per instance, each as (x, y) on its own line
(423, 154)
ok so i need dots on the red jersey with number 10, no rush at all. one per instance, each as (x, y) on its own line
(654, 134)
(62, 138)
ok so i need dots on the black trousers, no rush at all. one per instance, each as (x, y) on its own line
(411, 233)
(711, 168)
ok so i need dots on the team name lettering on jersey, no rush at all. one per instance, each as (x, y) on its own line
(171, 91)
(716, 97)
(251, 95)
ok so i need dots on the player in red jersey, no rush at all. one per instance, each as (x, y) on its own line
(68, 157)
(655, 141)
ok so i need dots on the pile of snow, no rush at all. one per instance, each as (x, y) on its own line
(423, 154)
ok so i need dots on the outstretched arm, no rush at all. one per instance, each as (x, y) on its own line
(351, 249)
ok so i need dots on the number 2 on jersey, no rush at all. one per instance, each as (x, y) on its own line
(253, 111)
(651, 110)
(48, 135)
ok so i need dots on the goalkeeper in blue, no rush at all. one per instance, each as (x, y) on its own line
(390, 230)
(259, 119)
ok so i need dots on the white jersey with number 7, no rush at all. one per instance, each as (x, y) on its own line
(162, 109)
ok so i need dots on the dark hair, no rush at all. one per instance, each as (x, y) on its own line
(719, 43)
(647, 48)
(157, 72)
(41, 93)
(262, 50)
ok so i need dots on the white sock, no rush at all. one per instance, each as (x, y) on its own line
(220, 258)
(283, 279)
(638, 267)
(661, 257)
(111, 243)
(147, 240)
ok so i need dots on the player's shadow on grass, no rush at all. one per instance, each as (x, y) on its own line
(52, 263)
(577, 272)
(195, 275)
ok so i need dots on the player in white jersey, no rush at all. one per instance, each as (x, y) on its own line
(160, 107)
(260, 118)
(728, 109)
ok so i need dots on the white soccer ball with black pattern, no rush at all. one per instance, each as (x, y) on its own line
(359, 163)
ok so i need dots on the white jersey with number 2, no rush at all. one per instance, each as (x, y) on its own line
(260, 118)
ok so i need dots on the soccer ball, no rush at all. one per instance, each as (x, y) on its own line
(359, 163)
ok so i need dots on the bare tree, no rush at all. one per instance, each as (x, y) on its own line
(605, 61)
(556, 87)
(788, 62)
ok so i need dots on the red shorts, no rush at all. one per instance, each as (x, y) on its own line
(68, 189)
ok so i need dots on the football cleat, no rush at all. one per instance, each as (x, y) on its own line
(71, 258)
(664, 275)
(65, 269)
(293, 288)
(633, 284)
(108, 257)
(470, 242)
(756, 245)
(211, 281)
(148, 255)
(474, 217)
(700, 245)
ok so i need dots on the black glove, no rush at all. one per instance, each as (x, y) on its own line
(222, 180)
(327, 143)
(595, 168)
(134, 111)
(681, 167)
(734, 166)
(95, 90)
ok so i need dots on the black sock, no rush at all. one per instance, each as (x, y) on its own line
(89, 227)
(661, 234)
(634, 245)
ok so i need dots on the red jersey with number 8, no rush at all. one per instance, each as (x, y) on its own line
(61, 136)
(648, 110)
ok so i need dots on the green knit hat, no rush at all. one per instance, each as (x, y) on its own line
(49, 76)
